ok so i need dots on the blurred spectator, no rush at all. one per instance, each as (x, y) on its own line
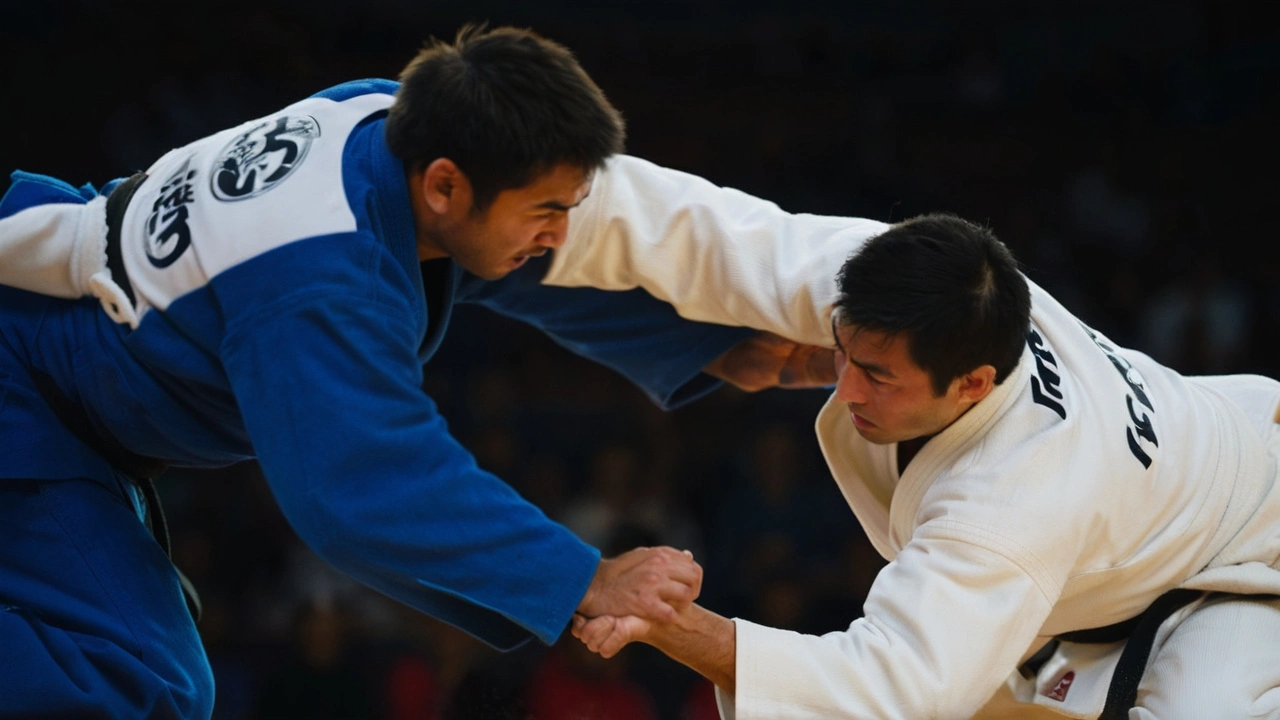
(426, 664)
(700, 703)
(493, 688)
(610, 494)
(624, 487)
(1105, 212)
(779, 521)
(1199, 324)
(572, 683)
(319, 678)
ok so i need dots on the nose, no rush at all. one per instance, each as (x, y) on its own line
(554, 235)
(851, 387)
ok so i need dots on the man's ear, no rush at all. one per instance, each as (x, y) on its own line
(977, 383)
(445, 186)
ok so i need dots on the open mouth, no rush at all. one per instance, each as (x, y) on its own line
(522, 259)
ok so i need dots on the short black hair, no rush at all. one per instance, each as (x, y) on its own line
(505, 105)
(946, 284)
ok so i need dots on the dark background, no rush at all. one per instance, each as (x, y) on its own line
(1126, 151)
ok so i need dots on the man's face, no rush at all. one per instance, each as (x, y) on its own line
(520, 223)
(890, 398)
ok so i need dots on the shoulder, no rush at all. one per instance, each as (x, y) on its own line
(253, 189)
(357, 88)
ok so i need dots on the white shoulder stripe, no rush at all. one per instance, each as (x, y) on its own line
(239, 193)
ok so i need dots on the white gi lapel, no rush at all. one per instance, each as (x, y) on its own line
(864, 473)
(946, 448)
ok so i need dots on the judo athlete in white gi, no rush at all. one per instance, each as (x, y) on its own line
(1035, 487)
(273, 291)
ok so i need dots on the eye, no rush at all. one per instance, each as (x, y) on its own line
(873, 379)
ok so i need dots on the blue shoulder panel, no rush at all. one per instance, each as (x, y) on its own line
(353, 88)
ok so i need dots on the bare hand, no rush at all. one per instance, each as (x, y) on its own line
(607, 634)
(766, 360)
(646, 582)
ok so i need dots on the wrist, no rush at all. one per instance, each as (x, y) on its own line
(589, 597)
(702, 640)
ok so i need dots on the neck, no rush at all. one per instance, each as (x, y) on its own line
(907, 450)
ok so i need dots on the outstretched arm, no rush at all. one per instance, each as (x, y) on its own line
(715, 254)
(943, 626)
(367, 473)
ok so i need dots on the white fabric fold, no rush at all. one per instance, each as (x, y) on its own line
(60, 249)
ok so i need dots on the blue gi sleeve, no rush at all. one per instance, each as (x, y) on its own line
(27, 190)
(366, 472)
(632, 332)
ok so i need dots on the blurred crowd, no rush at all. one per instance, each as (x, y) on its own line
(1125, 151)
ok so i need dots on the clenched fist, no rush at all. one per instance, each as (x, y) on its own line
(645, 582)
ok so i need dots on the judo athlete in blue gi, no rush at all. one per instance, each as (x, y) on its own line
(273, 291)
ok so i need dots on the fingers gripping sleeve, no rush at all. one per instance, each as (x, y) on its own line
(367, 473)
(717, 254)
(944, 625)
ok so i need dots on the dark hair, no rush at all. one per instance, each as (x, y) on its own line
(505, 105)
(949, 286)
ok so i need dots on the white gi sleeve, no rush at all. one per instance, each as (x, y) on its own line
(944, 625)
(60, 249)
(717, 254)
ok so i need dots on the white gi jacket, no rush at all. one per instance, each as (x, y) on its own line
(1088, 483)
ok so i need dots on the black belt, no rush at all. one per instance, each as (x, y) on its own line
(1140, 634)
(117, 202)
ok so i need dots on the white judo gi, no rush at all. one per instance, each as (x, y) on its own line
(1088, 483)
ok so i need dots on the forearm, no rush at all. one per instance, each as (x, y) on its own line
(702, 640)
(716, 254)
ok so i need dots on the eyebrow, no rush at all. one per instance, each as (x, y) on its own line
(874, 369)
(557, 205)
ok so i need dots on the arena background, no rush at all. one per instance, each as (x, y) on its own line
(1126, 151)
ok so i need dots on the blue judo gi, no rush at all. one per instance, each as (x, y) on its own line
(284, 317)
